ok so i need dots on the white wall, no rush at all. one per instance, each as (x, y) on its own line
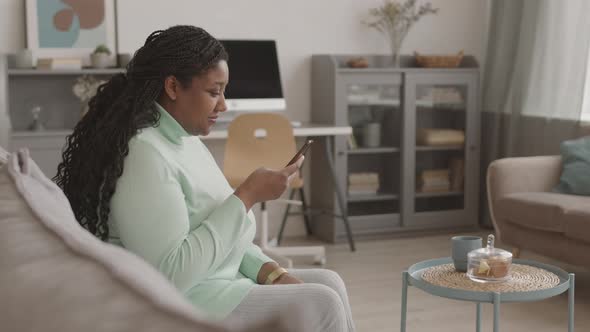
(11, 38)
(301, 28)
(305, 27)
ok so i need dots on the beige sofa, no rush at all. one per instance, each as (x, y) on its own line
(527, 215)
(55, 276)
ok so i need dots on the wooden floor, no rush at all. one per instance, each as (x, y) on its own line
(373, 278)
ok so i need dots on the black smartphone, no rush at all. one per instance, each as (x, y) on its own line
(301, 151)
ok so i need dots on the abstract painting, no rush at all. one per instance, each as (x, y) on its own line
(70, 28)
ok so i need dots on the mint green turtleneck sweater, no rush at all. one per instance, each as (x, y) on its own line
(174, 208)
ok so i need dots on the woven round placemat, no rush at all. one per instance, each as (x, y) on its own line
(524, 278)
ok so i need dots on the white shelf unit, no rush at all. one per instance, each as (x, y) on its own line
(60, 109)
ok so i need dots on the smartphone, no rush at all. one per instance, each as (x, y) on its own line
(301, 151)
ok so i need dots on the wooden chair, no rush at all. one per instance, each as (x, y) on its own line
(265, 140)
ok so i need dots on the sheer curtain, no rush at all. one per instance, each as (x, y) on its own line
(586, 105)
(534, 78)
(4, 118)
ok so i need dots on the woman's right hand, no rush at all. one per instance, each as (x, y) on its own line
(266, 184)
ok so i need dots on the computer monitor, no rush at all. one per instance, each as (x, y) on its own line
(254, 76)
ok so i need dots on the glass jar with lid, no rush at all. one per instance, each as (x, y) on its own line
(489, 264)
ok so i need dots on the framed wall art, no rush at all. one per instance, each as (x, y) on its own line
(70, 28)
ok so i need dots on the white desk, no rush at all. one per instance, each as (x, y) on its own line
(308, 130)
(46, 149)
(305, 130)
(46, 146)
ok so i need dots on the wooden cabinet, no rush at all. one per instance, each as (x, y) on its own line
(412, 163)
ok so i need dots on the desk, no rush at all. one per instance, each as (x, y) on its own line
(305, 130)
(46, 149)
(320, 132)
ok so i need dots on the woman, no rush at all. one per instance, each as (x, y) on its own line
(137, 175)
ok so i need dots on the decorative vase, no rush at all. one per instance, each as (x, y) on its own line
(24, 59)
(395, 20)
(396, 39)
(100, 60)
(36, 124)
(372, 135)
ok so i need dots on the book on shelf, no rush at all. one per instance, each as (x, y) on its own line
(363, 183)
(438, 137)
(441, 96)
(457, 176)
(434, 180)
(59, 63)
(434, 174)
(361, 192)
(363, 178)
(434, 183)
(363, 189)
(364, 186)
(435, 188)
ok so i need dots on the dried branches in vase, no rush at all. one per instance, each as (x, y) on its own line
(395, 19)
(85, 88)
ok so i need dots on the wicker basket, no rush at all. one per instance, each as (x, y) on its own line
(438, 61)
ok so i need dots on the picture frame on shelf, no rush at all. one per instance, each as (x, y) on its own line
(70, 28)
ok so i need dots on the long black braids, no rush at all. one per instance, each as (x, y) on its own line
(95, 151)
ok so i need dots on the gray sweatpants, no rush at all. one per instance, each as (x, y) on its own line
(320, 304)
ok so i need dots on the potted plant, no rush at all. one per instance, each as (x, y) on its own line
(100, 58)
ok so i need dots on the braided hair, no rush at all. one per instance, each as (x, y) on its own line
(95, 151)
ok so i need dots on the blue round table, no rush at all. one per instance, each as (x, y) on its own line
(413, 277)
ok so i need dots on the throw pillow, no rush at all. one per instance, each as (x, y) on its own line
(575, 177)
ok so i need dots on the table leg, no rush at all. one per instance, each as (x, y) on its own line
(496, 312)
(478, 317)
(339, 193)
(570, 293)
(404, 301)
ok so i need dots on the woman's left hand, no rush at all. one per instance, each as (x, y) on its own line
(286, 279)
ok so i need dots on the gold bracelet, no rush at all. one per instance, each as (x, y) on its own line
(274, 275)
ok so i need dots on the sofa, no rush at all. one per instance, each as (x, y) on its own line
(527, 214)
(56, 276)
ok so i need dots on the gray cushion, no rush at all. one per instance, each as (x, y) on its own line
(539, 210)
(577, 222)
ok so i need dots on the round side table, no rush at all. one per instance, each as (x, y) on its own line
(494, 293)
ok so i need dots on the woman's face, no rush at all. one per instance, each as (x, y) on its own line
(196, 107)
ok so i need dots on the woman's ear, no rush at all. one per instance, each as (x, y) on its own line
(171, 86)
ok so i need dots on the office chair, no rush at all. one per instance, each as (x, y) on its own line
(265, 140)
